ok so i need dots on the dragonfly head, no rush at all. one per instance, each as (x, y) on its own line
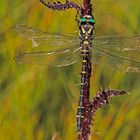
(86, 25)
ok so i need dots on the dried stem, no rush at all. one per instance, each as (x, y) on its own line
(87, 7)
(61, 6)
(86, 3)
(100, 100)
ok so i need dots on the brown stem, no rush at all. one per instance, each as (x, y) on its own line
(60, 6)
(86, 3)
(87, 7)
(101, 99)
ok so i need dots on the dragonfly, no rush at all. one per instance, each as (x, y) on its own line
(62, 50)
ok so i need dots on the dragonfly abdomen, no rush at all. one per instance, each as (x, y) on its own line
(85, 85)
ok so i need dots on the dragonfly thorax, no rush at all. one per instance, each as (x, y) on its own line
(86, 26)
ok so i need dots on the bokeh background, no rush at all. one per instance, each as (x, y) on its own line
(39, 103)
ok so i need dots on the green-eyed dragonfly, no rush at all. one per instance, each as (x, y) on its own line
(121, 52)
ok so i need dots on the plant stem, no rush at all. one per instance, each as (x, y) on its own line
(87, 9)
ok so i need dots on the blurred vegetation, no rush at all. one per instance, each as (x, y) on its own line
(38, 103)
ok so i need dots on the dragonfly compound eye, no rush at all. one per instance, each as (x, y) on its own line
(83, 21)
(87, 20)
(91, 21)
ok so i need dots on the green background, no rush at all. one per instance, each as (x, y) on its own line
(39, 103)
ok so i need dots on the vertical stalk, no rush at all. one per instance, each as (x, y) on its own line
(86, 2)
(87, 7)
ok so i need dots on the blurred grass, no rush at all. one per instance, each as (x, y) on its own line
(38, 102)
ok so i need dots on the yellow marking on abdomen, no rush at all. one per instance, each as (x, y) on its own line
(83, 72)
(81, 95)
(82, 83)
(79, 116)
(85, 51)
(81, 107)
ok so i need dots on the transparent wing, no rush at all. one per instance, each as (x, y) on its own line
(58, 58)
(118, 52)
(40, 38)
(118, 43)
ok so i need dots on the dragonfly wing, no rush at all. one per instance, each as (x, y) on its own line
(57, 58)
(40, 38)
(118, 52)
(27, 32)
(118, 43)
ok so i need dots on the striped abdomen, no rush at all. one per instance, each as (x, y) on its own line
(83, 107)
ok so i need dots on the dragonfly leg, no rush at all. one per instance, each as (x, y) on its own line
(60, 6)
